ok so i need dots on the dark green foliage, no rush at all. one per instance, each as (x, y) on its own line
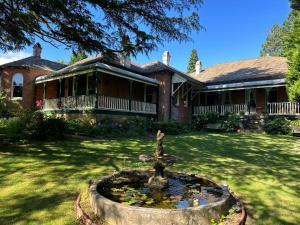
(97, 26)
(230, 123)
(171, 127)
(275, 41)
(134, 126)
(295, 4)
(278, 125)
(200, 121)
(50, 129)
(9, 108)
(293, 53)
(295, 123)
(75, 57)
(192, 61)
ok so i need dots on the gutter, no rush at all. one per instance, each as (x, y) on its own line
(246, 85)
(100, 67)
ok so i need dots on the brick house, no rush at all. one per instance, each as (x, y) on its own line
(116, 86)
(17, 78)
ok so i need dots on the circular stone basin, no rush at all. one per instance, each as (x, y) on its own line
(123, 198)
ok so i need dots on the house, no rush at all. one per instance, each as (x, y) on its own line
(251, 86)
(103, 85)
(113, 85)
(17, 78)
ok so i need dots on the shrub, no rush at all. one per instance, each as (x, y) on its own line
(230, 123)
(200, 121)
(50, 129)
(278, 125)
(295, 123)
(9, 108)
(171, 127)
(12, 128)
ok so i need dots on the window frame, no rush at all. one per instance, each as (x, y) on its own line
(12, 86)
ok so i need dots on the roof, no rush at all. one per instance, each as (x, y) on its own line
(144, 69)
(96, 66)
(35, 62)
(263, 68)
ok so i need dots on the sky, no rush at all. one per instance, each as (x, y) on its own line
(234, 30)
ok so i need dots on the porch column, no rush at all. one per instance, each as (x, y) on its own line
(44, 91)
(220, 95)
(59, 93)
(157, 101)
(130, 94)
(97, 89)
(76, 91)
(145, 92)
(267, 99)
(34, 94)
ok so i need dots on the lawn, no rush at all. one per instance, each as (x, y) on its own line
(39, 181)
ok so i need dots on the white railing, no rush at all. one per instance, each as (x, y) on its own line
(284, 108)
(143, 107)
(221, 109)
(113, 103)
(104, 103)
(51, 103)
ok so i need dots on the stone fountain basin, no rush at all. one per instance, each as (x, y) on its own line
(118, 214)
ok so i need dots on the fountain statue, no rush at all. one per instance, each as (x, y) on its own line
(159, 197)
(160, 160)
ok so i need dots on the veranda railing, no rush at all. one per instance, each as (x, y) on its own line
(84, 102)
(284, 108)
(221, 109)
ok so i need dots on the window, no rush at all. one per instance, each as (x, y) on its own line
(91, 84)
(226, 98)
(186, 95)
(175, 97)
(17, 86)
(273, 95)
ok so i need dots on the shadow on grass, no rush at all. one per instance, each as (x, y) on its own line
(43, 178)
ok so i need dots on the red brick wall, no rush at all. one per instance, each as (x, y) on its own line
(29, 75)
(114, 86)
(51, 89)
(164, 94)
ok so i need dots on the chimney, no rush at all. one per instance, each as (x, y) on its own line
(125, 60)
(37, 50)
(198, 67)
(166, 58)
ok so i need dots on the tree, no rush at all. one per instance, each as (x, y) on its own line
(293, 54)
(192, 61)
(295, 4)
(75, 57)
(274, 45)
(97, 26)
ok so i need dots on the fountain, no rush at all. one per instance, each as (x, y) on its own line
(159, 197)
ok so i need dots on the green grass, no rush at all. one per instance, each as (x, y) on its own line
(39, 181)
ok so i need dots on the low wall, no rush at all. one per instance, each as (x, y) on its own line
(118, 214)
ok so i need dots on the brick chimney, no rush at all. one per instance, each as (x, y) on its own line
(37, 50)
(198, 67)
(166, 58)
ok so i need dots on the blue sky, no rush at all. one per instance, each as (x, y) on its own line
(235, 29)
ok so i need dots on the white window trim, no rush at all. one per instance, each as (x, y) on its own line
(12, 88)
